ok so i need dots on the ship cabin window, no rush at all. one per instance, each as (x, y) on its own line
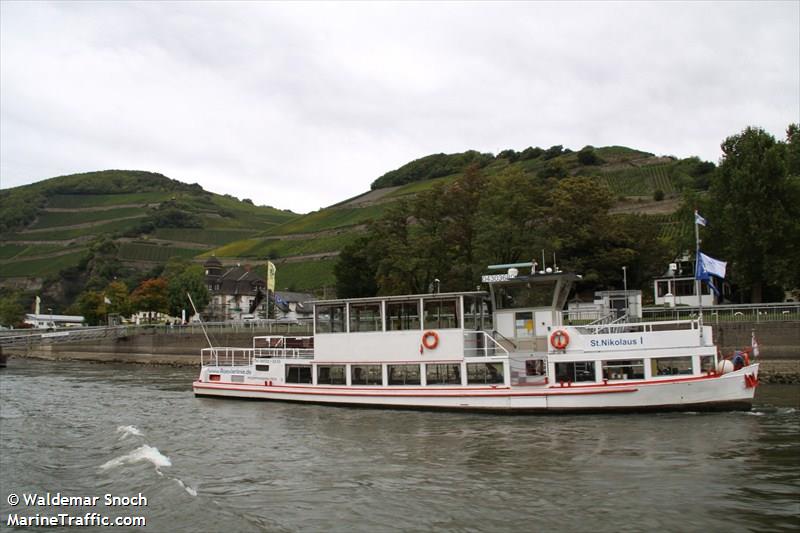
(298, 374)
(707, 363)
(330, 318)
(331, 375)
(441, 314)
(534, 367)
(484, 373)
(522, 296)
(403, 374)
(477, 312)
(443, 374)
(365, 317)
(633, 369)
(366, 375)
(671, 366)
(402, 315)
(575, 372)
(262, 368)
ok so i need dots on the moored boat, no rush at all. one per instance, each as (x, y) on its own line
(504, 350)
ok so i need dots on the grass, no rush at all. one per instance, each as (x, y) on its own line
(41, 267)
(263, 248)
(642, 181)
(305, 276)
(328, 219)
(419, 186)
(61, 235)
(7, 251)
(204, 236)
(57, 219)
(74, 201)
(129, 251)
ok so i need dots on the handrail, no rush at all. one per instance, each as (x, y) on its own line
(496, 333)
(483, 351)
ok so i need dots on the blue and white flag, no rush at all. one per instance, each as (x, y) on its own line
(707, 265)
(699, 219)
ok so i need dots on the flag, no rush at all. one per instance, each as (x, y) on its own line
(106, 300)
(708, 266)
(754, 344)
(270, 276)
(699, 219)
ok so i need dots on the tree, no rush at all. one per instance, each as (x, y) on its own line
(11, 311)
(754, 211)
(117, 294)
(151, 296)
(191, 280)
(355, 270)
(91, 305)
(587, 156)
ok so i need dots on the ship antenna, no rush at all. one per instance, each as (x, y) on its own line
(544, 263)
(202, 326)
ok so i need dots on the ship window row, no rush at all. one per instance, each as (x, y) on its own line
(437, 313)
(407, 374)
(579, 371)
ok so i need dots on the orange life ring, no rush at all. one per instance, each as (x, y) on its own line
(430, 344)
(559, 339)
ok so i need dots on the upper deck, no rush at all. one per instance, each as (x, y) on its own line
(390, 328)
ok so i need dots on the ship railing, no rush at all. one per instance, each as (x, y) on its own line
(247, 356)
(224, 356)
(638, 327)
(283, 353)
(481, 344)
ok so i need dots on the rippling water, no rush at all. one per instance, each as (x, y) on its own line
(225, 465)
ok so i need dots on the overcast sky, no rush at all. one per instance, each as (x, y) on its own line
(302, 105)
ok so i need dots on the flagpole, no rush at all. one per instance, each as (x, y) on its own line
(697, 283)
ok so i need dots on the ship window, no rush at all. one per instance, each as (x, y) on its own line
(671, 366)
(575, 372)
(517, 297)
(331, 375)
(402, 315)
(298, 374)
(366, 375)
(484, 373)
(633, 369)
(403, 374)
(707, 363)
(330, 318)
(441, 314)
(365, 317)
(443, 374)
(534, 367)
(477, 312)
(262, 368)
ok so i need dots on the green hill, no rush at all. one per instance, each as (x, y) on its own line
(48, 226)
(305, 248)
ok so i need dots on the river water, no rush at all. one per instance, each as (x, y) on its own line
(82, 429)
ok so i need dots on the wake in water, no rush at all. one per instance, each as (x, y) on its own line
(129, 430)
(144, 453)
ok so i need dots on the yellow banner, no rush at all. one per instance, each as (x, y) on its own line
(270, 276)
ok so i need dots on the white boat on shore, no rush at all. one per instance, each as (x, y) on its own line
(506, 350)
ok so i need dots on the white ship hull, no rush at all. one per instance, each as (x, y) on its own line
(734, 390)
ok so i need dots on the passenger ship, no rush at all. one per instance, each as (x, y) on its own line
(509, 350)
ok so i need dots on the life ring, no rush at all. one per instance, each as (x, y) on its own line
(430, 340)
(559, 339)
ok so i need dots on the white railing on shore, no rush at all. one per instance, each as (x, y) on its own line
(768, 312)
(481, 344)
